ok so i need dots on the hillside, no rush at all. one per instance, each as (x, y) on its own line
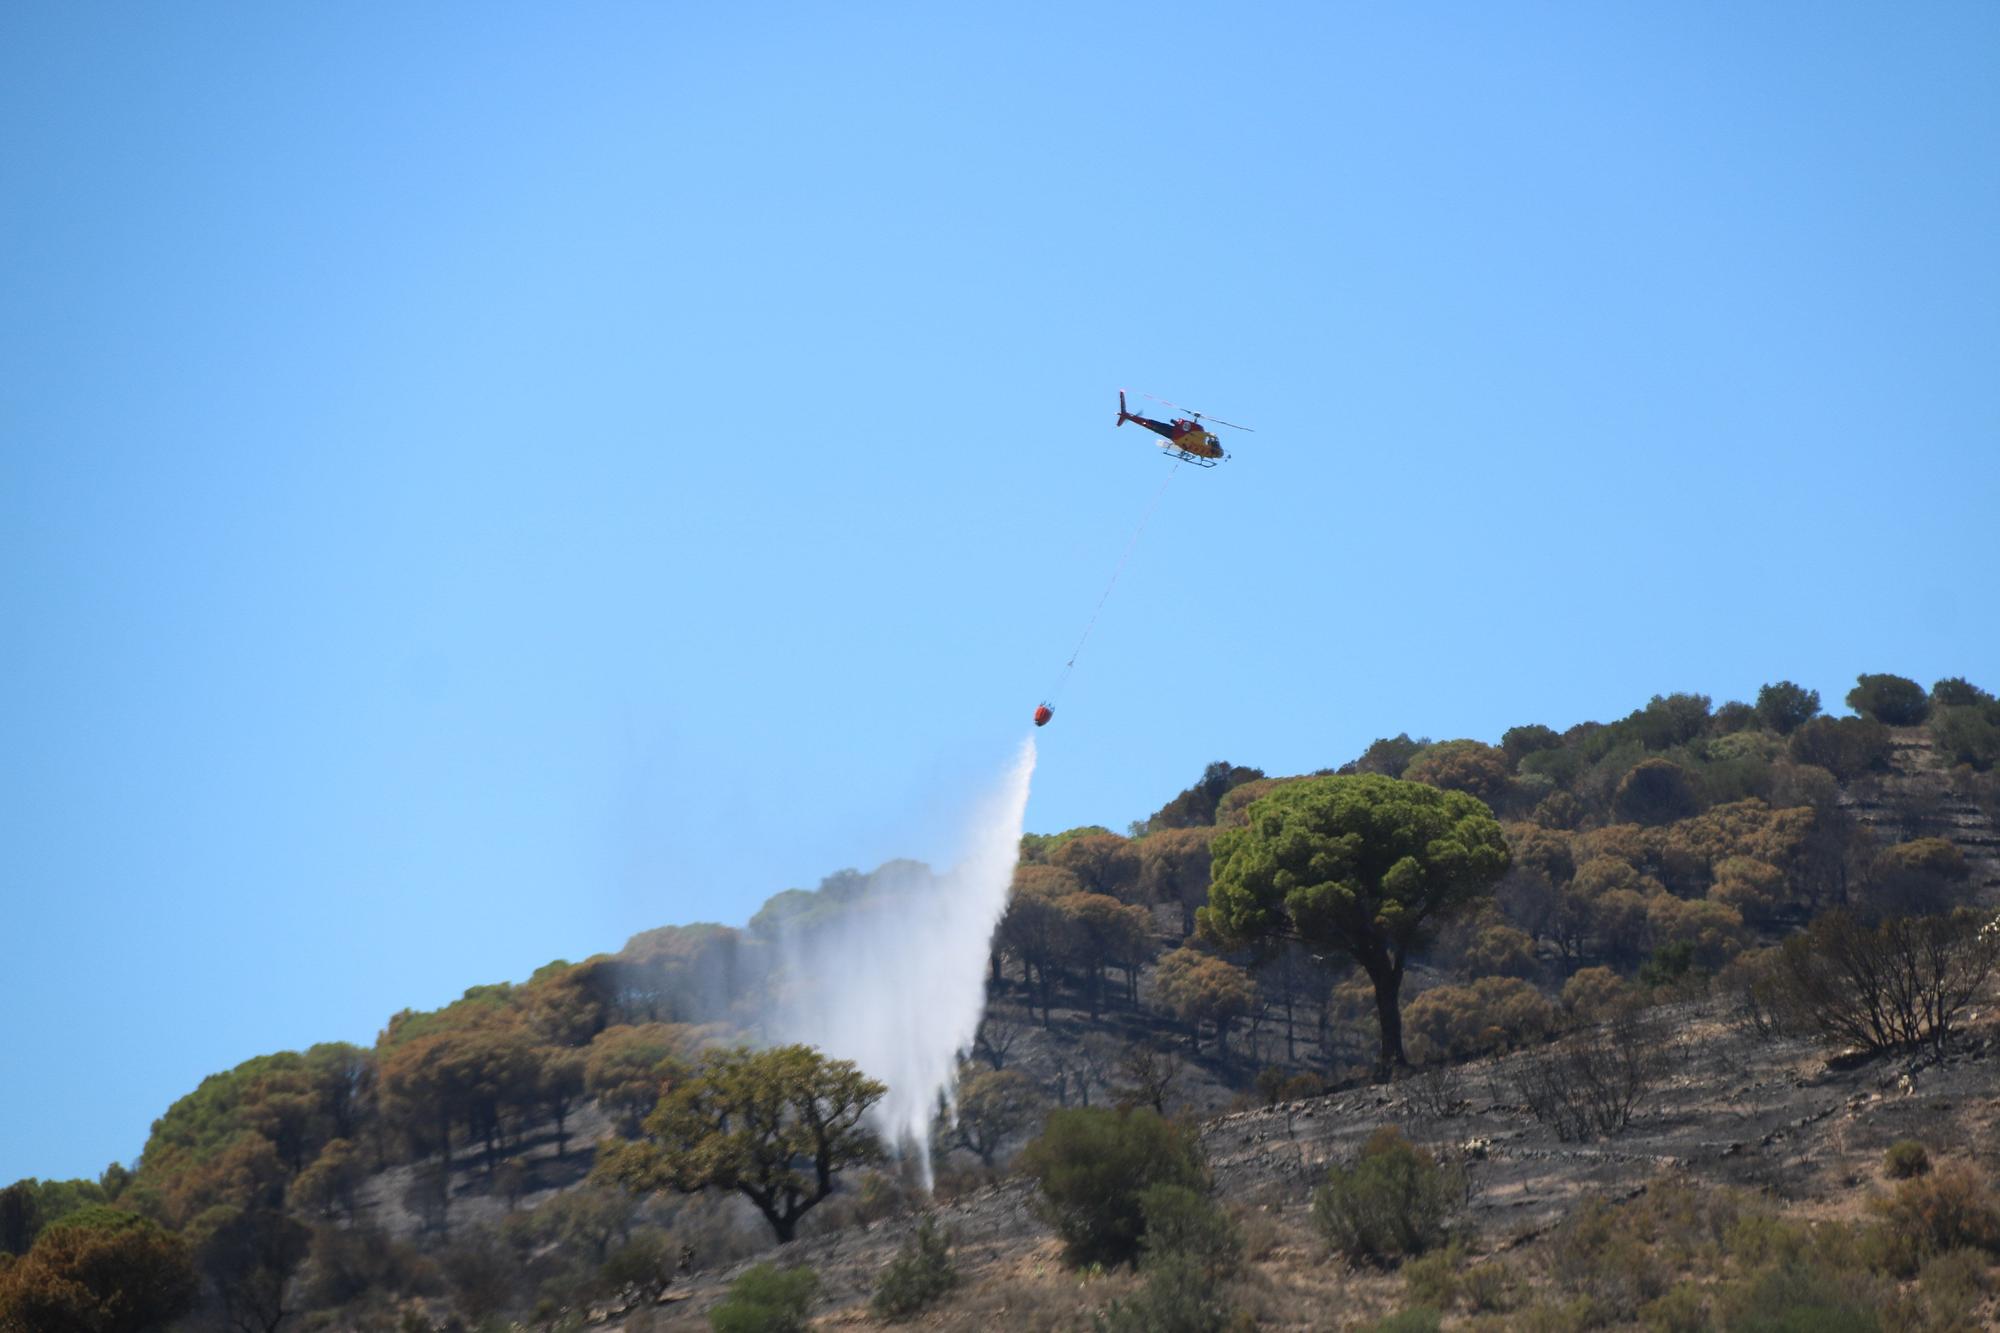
(1662, 879)
(1732, 1112)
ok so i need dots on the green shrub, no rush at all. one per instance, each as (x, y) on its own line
(1795, 1298)
(1953, 1284)
(1433, 1279)
(920, 1274)
(1485, 1287)
(1392, 1203)
(1968, 734)
(1681, 1310)
(1930, 1215)
(1185, 1222)
(1093, 1165)
(1905, 1159)
(767, 1299)
(1176, 1297)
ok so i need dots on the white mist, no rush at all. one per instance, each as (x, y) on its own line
(898, 985)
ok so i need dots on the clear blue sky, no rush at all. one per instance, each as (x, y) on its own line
(482, 481)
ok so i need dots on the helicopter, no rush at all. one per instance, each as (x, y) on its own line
(1186, 437)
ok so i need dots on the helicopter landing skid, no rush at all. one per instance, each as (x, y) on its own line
(1186, 457)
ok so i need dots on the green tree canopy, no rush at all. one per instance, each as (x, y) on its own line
(776, 1126)
(1894, 701)
(1196, 806)
(1655, 791)
(1957, 692)
(1363, 864)
(1468, 766)
(99, 1270)
(1785, 707)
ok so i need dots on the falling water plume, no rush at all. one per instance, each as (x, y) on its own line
(897, 983)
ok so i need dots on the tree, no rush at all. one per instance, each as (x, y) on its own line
(1468, 766)
(1967, 733)
(1390, 755)
(776, 1126)
(1668, 720)
(1366, 865)
(1894, 701)
(1102, 862)
(1151, 1075)
(1958, 692)
(1288, 975)
(328, 1185)
(100, 1270)
(1785, 707)
(559, 1081)
(1201, 988)
(248, 1257)
(1846, 747)
(1033, 929)
(627, 1067)
(20, 1217)
(1173, 869)
(1517, 743)
(997, 1035)
(1196, 806)
(1103, 932)
(993, 1106)
(1901, 984)
(1921, 876)
(1656, 791)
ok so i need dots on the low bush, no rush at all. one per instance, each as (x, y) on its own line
(1905, 1159)
(1185, 1222)
(1797, 1298)
(1930, 1215)
(1093, 1165)
(1681, 1310)
(1393, 1203)
(1176, 1297)
(1432, 1280)
(919, 1276)
(767, 1299)
(1622, 1257)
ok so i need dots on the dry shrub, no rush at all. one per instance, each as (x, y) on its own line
(1900, 984)
(1949, 1209)
(1596, 993)
(1588, 1085)
(1622, 1257)
(1435, 1090)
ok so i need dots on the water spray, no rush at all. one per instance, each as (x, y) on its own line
(898, 985)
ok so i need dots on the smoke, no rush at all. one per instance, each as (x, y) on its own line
(894, 977)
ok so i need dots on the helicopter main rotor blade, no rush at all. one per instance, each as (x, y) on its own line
(1198, 416)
